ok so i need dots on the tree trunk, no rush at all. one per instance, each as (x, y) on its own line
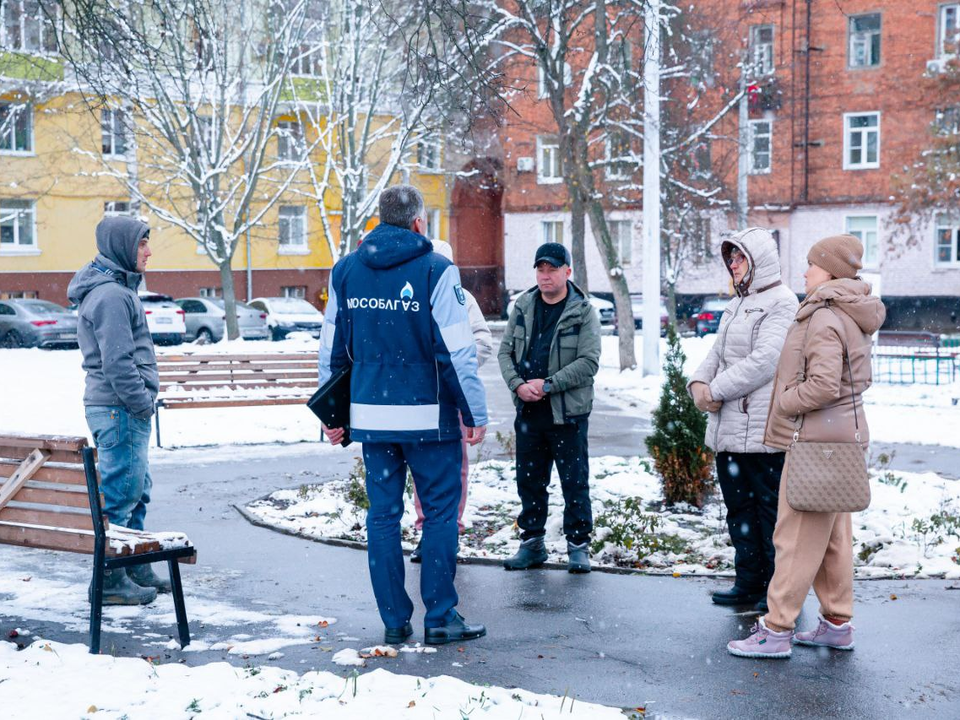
(621, 294)
(229, 300)
(577, 246)
(672, 304)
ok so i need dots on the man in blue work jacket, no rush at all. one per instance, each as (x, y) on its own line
(398, 315)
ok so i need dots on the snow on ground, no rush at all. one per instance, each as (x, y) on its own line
(912, 528)
(107, 687)
(48, 398)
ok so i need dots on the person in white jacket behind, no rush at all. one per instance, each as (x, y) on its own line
(484, 342)
(734, 384)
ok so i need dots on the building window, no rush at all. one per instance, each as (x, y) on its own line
(949, 35)
(16, 128)
(551, 231)
(621, 234)
(864, 40)
(619, 157)
(113, 132)
(294, 291)
(17, 226)
(947, 121)
(433, 224)
(306, 60)
(761, 146)
(865, 229)
(703, 239)
(26, 27)
(114, 208)
(293, 230)
(761, 49)
(16, 295)
(543, 91)
(428, 153)
(948, 240)
(861, 140)
(548, 160)
(211, 292)
(205, 130)
(290, 140)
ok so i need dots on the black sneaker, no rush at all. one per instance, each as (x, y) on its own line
(456, 630)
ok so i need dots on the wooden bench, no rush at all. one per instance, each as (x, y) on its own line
(50, 498)
(212, 381)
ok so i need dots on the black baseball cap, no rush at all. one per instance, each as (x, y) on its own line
(553, 253)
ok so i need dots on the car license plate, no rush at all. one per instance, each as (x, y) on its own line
(164, 321)
(68, 336)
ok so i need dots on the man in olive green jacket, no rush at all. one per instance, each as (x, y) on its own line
(549, 356)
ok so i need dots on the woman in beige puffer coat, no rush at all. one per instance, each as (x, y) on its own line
(734, 383)
(814, 383)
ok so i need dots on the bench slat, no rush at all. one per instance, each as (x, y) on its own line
(18, 453)
(241, 375)
(44, 442)
(165, 368)
(67, 539)
(72, 475)
(59, 498)
(175, 404)
(193, 387)
(29, 516)
(33, 462)
(276, 357)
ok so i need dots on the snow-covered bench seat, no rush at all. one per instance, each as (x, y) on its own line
(214, 381)
(50, 498)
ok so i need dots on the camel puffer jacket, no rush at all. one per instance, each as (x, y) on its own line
(740, 366)
(812, 378)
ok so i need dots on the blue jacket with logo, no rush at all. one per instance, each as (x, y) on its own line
(397, 312)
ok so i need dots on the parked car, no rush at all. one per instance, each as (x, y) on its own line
(604, 308)
(636, 305)
(164, 318)
(708, 317)
(205, 320)
(287, 315)
(36, 323)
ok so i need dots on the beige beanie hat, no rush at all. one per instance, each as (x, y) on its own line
(839, 255)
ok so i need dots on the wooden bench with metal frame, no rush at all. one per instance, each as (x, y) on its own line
(197, 381)
(50, 498)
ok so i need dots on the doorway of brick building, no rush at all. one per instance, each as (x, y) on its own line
(476, 232)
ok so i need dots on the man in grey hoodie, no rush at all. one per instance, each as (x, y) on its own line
(121, 387)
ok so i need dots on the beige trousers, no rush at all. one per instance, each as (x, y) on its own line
(812, 549)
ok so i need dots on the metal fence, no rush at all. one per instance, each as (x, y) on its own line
(916, 357)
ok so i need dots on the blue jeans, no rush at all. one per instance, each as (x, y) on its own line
(436, 474)
(122, 443)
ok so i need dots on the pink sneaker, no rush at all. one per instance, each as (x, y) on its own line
(838, 637)
(763, 643)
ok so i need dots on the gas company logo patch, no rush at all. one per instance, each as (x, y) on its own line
(461, 298)
(404, 304)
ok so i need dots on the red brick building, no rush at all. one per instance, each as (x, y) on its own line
(841, 101)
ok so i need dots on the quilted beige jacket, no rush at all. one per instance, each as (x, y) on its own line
(740, 366)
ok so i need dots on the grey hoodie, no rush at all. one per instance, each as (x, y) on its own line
(118, 354)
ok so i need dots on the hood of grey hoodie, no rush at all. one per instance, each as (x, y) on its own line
(118, 239)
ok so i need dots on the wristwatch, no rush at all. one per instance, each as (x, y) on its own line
(547, 386)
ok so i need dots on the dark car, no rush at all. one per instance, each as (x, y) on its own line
(636, 305)
(708, 318)
(36, 323)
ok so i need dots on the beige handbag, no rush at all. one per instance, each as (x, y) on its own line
(828, 476)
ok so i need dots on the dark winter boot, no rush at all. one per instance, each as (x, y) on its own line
(417, 555)
(118, 589)
(531, 554)
(578, 557)
(144, 576)
(738, 596)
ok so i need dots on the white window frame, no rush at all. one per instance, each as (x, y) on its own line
(545, 142)
(210, 292)
(16, 214)
(543, 91)
(622, 239)
(428, 153)
(767, 64)
(8, 131)
(109, 119)
(943, 10)
(45, 32)
(551, 231)
(853, 38)
(294, 291)
(293, 246)
(863, 132)
(942, 222)
(290, 145)
(433, 223)
(616, 169)
(306, 61)
(871, 248)
(754, 168)
(116, 208)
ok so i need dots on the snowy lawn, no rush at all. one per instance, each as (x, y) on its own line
(912, 528)
(106, 687)
(48, 398)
